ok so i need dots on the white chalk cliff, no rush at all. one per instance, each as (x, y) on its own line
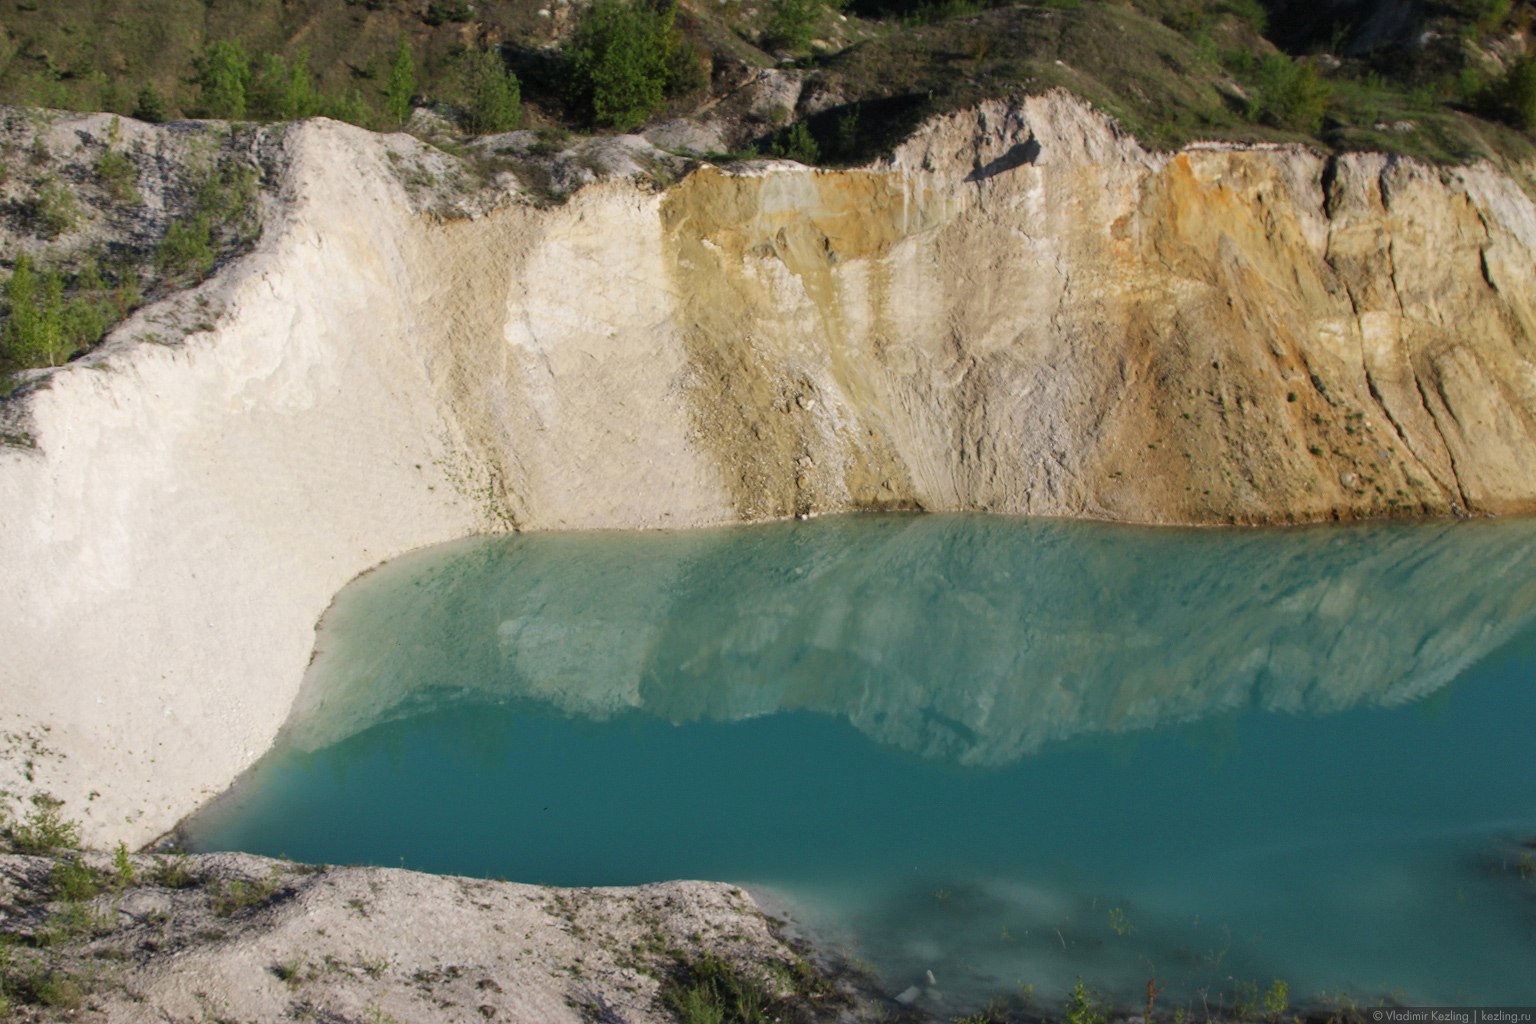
(1023, 311)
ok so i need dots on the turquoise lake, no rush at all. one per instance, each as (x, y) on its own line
(1009, 752)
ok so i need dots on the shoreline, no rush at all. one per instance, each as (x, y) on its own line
(133, 938)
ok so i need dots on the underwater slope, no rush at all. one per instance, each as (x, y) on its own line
(1023, 311)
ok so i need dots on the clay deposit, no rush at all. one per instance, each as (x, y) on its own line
(1023, 311)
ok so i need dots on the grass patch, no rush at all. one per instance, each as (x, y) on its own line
(73, 879)
(228, 898)
(710, 990)
(38, 984)
(173, 872)
(75, 920)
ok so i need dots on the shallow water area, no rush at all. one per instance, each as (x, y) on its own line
(1007, 752)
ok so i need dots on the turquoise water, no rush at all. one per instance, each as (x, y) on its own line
(1007, 752)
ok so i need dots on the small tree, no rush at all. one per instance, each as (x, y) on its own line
(223, 76)
(283, 92)
(348, 106)
(796, 143)
(51, 208)
(1514, 96)
(792, 24)
(150, 106)
(186, 250)
(34, 334)
(618, 61)
(1290, 94)
(688, 71)
(401, 86)
(492, 93)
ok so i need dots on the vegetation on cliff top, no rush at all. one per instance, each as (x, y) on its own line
(103, 227)
(1452, 82)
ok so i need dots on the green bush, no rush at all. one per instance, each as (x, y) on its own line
(687, 69)
(1276, 999)
(1513, 97)
(618, 61)
(283, 92)
(116, 172)
(1482, 15)
(1290, 94)
(698, 1004)
(711, 991)
(796, 143)
(40, 985)
(72, 879)
(50, 318)
(1084, 1008)
(223, 216)
(1190, 20)
(442, 11)
(123, 874)
(223, 78)
(51, 209)
(117, 175)
(1253, 12)
(150, 106)
(186, 250)
(34, 336)
(348, 107)
(493, 97)
(792, 25)
(44, 829)
(174, 872)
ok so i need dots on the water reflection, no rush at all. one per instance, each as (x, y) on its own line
(971, 640)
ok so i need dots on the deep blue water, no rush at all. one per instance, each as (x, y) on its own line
(1008, 752)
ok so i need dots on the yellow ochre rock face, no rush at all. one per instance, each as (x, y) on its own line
(1221, 335)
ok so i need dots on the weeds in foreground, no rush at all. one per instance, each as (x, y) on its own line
(36, 983)
(73, 879)
(709, 990)
(44, 829)
(174, 872)
(227, 899)
(123, 874)
(1083, 1007)
(1276, 999)
(77, 920)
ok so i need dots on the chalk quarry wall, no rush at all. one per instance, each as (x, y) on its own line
(1022, 311)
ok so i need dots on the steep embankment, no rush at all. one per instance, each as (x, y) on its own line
(1022, 312)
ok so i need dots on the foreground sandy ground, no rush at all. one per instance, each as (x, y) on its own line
(232, 937)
